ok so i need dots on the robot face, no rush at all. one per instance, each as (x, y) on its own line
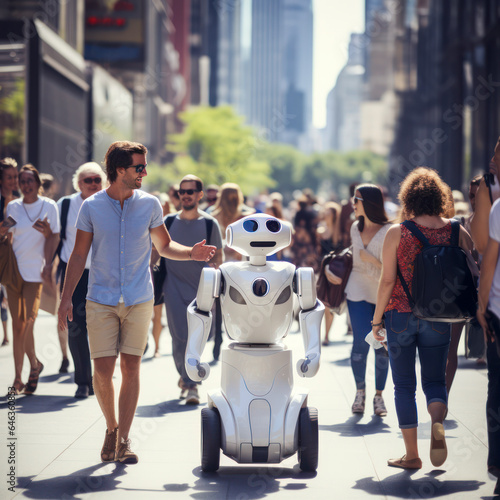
(258, 234)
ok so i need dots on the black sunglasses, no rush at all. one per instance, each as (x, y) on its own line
(190, 192)
(90, 180)
(138, 168)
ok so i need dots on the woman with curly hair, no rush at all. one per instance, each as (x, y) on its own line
(425, 200)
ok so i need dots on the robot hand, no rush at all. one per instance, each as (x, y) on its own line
(308, 366)
(197, 371)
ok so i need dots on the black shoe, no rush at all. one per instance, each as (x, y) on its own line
(497, 488)
(82, 392)
(64, 366)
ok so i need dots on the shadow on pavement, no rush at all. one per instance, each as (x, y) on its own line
(160, 409)
(342, 362)
(42, 403)
(74, 485)
(248, 482)
(401, 485)
(351, 427)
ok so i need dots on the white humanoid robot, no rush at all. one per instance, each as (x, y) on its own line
(256, 416)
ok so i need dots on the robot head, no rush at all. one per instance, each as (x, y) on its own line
(258, 235)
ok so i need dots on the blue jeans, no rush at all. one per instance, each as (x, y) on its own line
(406, 333)
(361, 314)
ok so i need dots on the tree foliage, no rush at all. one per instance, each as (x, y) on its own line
(217, 147)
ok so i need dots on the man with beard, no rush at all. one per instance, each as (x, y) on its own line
(120, 223)
(181, 282)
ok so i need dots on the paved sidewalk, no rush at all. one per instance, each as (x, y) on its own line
(58, 438)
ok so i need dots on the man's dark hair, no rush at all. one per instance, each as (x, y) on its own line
(119, 155)
(193, 178)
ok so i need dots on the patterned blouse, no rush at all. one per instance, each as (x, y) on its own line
(409, 247)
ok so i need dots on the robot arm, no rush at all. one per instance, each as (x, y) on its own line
(310, 318)
(199, 323)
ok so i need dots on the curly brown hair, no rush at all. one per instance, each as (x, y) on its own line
(423, 192)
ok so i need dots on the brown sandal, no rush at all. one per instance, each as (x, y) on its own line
(31, 386)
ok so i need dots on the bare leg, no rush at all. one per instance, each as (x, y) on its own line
(29, 343)
(437, 411)
(63, 342)
(18, 333)
(157, 327)
(104, 389)
(410, 439)
(328, 324)
(129, 393)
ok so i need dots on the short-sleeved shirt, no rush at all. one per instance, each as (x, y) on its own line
(121, 246)
(183, 276)
(75, 202)
(28, 243)
(494, 299)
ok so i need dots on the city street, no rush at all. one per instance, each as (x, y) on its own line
(58, 438)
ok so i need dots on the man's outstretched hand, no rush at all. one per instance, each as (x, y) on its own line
(202, 252)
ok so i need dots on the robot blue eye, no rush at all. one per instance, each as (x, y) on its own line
(273, 225)
(250, 226)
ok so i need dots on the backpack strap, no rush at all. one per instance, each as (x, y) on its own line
(209, 223)
(64, 217)
(64, 221)
(405, 288)
(412, 227)
(455, 232)
(169, 220)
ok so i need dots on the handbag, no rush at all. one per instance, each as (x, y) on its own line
(340, 264)
(9, 271)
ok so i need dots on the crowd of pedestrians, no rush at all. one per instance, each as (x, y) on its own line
(108, 302)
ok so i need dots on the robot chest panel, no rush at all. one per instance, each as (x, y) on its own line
(258, 288)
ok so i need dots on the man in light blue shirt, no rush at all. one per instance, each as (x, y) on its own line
(120, 223)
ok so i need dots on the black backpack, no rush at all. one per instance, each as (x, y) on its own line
(443, 287)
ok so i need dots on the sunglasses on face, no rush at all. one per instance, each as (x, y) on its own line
(90, 180)
(138, 168)
(189, 192)
(355, 199)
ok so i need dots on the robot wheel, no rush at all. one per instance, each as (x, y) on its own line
(308, 439)
(210, 439)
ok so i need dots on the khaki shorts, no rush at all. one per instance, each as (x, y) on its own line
(25, 305)
(115, 329)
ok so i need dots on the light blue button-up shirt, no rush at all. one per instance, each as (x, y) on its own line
(121, 246)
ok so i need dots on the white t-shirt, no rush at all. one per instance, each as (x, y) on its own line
(28, 243)
(69, 241)
(494, 299)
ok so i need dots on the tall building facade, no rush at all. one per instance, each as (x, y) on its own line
(265, 66)
(447, 73)
(343, 117)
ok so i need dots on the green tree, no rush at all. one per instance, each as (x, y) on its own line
(12, 109)
(217, 147)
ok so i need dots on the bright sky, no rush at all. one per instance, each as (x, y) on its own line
(334, 21)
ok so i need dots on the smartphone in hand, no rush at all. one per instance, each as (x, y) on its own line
(9, 222)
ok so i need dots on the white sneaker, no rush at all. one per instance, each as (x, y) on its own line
(193, 398)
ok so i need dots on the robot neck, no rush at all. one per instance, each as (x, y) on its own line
(258, 260)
